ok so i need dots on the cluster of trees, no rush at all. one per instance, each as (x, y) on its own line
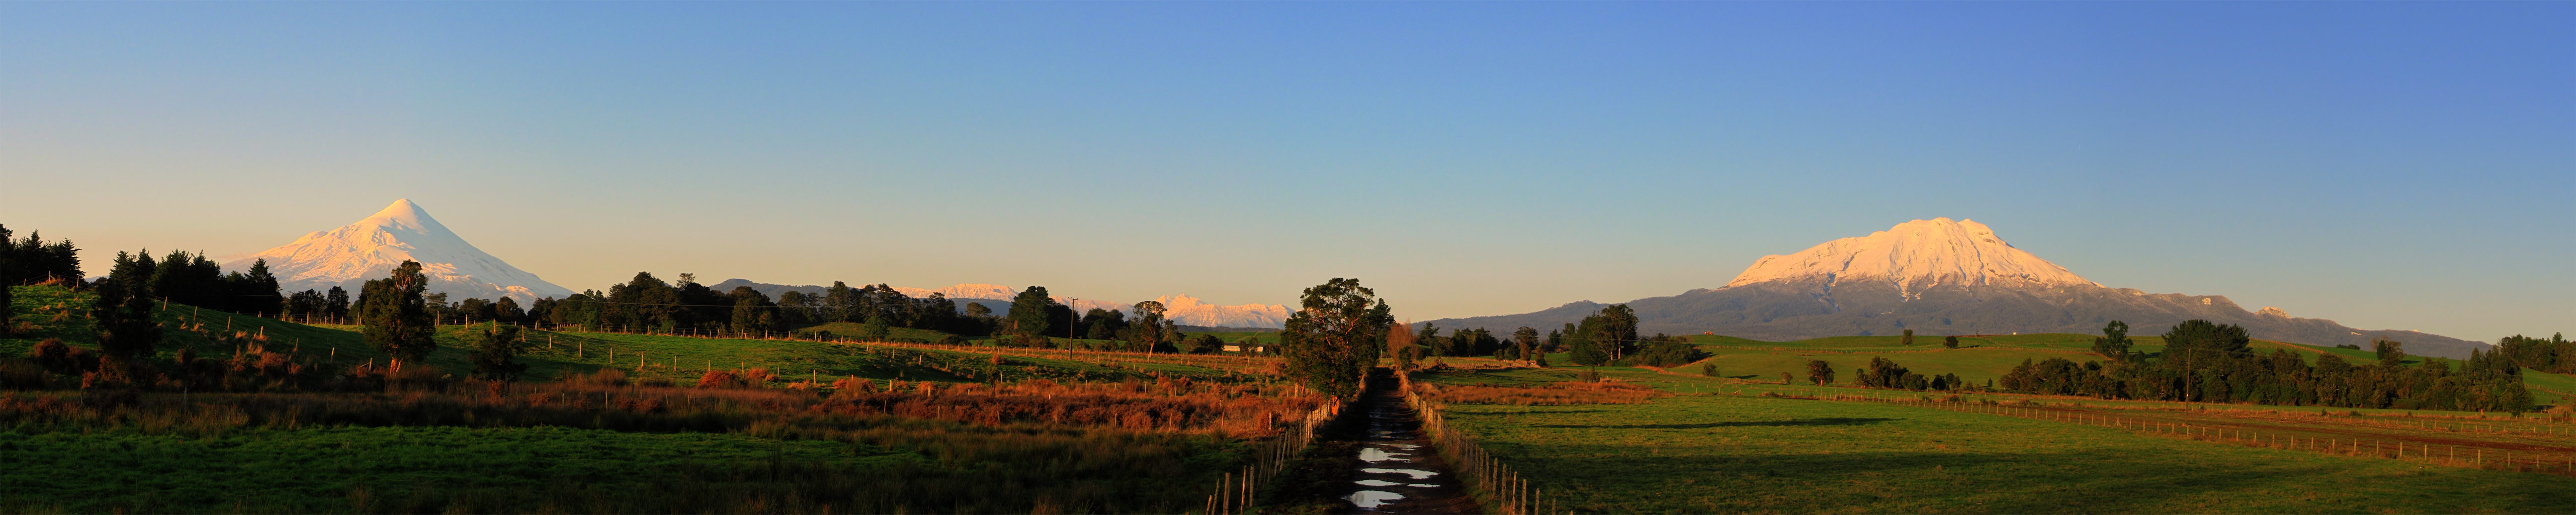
(2210, 362)
(31, 261)
(1884, 373)
(648, 303)
(2555, 354)
(190, 278)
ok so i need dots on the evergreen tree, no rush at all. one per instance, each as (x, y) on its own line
(1907, 339)
(1950, 342)
(396, 314)
(495, 351)
(257, 291)
(1820, 372)
(507, 310)
(10, 276)
(1335, 335)
(123, 309)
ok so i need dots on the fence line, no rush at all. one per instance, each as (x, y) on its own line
(1236, 491)
(1502, 487)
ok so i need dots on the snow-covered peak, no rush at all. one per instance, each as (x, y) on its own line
(1915, 255)
(369, 249)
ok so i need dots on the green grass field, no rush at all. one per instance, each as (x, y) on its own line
(1730, 454)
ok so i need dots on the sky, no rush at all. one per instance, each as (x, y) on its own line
(2388, 165)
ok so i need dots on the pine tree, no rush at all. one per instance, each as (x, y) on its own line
(124, 316)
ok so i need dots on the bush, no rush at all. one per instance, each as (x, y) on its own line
(1671, 353)
(1708, 369)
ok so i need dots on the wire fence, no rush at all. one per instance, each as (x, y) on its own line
(1237, 491)
(1493, 482)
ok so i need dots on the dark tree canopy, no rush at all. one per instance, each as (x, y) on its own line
(396, 315)
(1335, 335)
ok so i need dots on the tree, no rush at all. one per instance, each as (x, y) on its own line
(495, 350)
(753, 314)
(1820, 372)
(396, 314)
(126, 332)
(1527, 339)
(336, 305)
(1950, 342)
(1148, 333)
(1028, 314)
(1907, 339)
(1207, 344)
(2390, 352)
(876, 330)
(1399, 343)
(1335, 335)
(2114, 342)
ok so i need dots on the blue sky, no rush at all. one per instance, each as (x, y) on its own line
(2383, 164)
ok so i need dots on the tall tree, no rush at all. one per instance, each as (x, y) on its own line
(123, 309)
(1907, 339)
(2114, 342)
(1149, 332)
(396, 315)
(1820, 372)
(1335, 335)
(336, 305)
(10, 276)
(1028, 314)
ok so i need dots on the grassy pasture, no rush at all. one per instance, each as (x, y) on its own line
(1722, 453)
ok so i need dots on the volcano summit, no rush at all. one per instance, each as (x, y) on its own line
(1943, 277)
(350, 255)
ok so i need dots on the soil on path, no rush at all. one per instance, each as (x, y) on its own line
(1399, 471)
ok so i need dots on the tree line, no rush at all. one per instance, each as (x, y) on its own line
(2205, 361)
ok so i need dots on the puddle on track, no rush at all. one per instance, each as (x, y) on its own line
(1391, 441)
(1373, 498)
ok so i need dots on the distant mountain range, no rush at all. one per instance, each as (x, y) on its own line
(1942, 277)
(369, 249)
(1181, 309)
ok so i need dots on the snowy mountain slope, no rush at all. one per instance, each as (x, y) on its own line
(369, 249)
(1939, 277)
(1913, 255)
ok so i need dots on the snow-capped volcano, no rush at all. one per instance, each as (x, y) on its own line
(350, 255)
(1913, 256)
(1940, 277)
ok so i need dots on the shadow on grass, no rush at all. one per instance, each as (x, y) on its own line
(1829, 421)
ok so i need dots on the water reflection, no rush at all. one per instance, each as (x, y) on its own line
(1373, 498)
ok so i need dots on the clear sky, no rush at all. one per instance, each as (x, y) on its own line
(2388, 165)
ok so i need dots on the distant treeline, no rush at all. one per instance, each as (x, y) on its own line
(1606, 337)
(2211, 362)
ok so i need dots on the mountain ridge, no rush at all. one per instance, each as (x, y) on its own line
(1894, 280)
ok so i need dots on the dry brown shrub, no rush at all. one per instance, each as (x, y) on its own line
(1557, 394)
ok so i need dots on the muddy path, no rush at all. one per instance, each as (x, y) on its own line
(1399, 471)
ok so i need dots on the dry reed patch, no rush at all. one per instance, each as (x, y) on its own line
(1558, 394)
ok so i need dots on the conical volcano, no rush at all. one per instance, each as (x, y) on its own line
(1942, 277)
(369, 249)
